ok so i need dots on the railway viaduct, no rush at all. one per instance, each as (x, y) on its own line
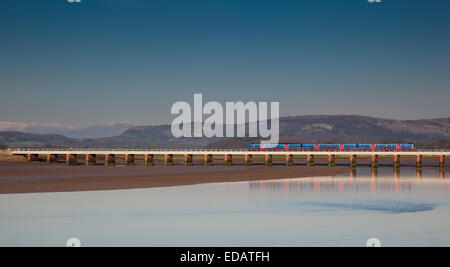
(71, 156)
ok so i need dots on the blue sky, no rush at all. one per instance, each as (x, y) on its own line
(99, 61)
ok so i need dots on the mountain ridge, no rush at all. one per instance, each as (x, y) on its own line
(99, 130)
(298, 129)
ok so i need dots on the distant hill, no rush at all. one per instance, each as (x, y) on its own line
(99, 130)
(18, 139)
(358, 129)
(432, 133)
(92, 131)
(332, 128)
(299, 129)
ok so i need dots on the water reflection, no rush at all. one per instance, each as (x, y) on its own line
(345, 210)
(396, 172)
(419, 173)
(407, 181)
(374, 173)
(385, 190)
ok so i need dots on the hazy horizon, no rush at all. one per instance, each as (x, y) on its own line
(7, 125)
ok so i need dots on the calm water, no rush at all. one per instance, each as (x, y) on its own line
(406, 209)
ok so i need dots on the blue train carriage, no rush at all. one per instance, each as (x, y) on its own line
(366, 147)
(271, 147)
(309, 147)
(407, 147)
(278, 147)
(254, 147)
(329, 146)
(289, 147)
(294, 147)
(275, 147)
(386, 147)
(350, 147)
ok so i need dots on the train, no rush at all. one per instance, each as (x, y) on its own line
(331, 147)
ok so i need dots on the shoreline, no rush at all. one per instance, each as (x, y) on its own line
(24, 179)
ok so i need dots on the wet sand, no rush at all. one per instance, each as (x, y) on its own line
(20, 176)
(33, 179)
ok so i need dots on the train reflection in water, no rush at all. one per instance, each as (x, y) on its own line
(372, 182)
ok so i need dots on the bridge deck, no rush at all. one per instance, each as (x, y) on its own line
(423, 152)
